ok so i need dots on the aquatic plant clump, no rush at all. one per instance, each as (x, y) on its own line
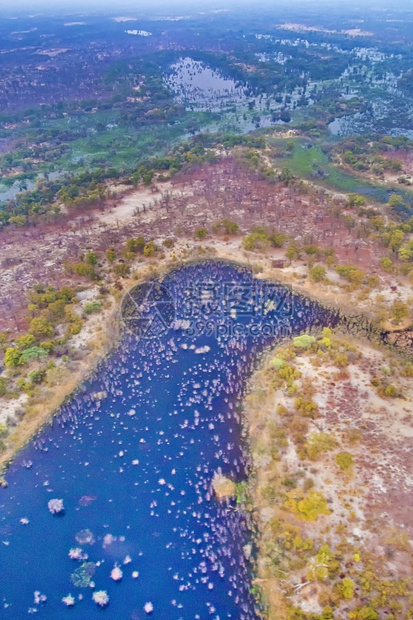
(116, 574)
(82, 576)
(76, 553)
(55, 506)
(101, 598)
(68, 600)
(85, 537)
(148, 608)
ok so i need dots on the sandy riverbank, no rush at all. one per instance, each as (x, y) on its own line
(330, 428)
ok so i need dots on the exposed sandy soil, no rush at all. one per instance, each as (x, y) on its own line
(371, 504)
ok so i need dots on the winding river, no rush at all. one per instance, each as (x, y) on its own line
(132, 457)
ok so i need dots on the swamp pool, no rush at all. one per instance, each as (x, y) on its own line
(133, 454)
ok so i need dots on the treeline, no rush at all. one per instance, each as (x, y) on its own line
(83, 190)
(376, 155)
(89, 188)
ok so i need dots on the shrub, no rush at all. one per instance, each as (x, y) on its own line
(111, 255)
(304, 342)
(34, 353)
(201, 233)
(93, 306)
(169, 243)
(75, 325)
(37, 376)
(121, 270)
(3, 386)
(391, 391)
(256, 240)
(345, 461)
(366, 612)
(399, 311)
(311, 249)
(12, 357)
(91, 258)
(48, 345)
(285, 376)
(386, 263)
(407, 370)
(321, 565)
(319, 443)
(25, 341)
(351, 274)
(307, 506)
(278, 239)
(135, 246)
(40, 327)
(149, 249)
(356, 200)
(406, 252)
(226, 226)
(347, 588)
(318, 273)
(83, 269)
(277, 363)
(306, 406)
(341, 359)
(292, 252)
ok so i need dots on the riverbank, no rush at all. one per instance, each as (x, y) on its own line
(98, 337)
(329, 422)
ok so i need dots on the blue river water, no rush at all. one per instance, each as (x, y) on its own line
(132, 456)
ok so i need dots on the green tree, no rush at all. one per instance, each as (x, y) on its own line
(135, 246)
(83, 269)
(317, 273)
(149, 249)
(93, 306)
(292, 252)
(111, 255)
(307, 506)
(18, 220)
(12, 357)
(356, 200)
(286, 176)
(37, 376)
(201, 233)
(33, 353)
(121, 270)
(226, 226)
(396, 240)
(345, 461)
(395, 201)
(386, 263)
(25, 341)
(277, 239)
(3, 386)
(347, 588)
(399, 311)
(40, 327)
(91, 258)
(406, 252)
